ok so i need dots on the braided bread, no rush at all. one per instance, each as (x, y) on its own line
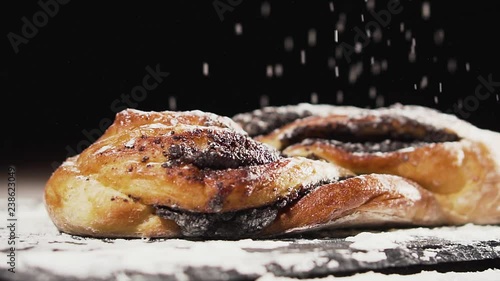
(454, 160)
(200, 175)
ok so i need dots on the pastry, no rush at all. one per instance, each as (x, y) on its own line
(196, 174)
(172, 174)
(453, 159)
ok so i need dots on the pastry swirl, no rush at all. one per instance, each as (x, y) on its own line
(196, 174)
(151, 176)
(453, 159)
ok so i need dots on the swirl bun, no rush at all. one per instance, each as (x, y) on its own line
(458, 162)
(171, 174)
(275, 171)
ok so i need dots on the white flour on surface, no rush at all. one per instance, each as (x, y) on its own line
(486, 275)
(40, 247)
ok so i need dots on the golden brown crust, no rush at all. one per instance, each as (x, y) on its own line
(196, 174)
(362, 201)
(114, 186)
(80, 205)
(451, 158)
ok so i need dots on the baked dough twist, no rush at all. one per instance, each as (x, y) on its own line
(196, 174)
(455, 160)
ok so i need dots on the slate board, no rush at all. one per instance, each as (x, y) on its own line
(42, 253)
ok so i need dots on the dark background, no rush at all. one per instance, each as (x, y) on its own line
(64, 80)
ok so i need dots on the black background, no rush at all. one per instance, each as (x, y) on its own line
(64, 80)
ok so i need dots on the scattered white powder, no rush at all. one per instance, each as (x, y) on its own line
(486, 275)
(428, 255)
(42, 247)
(130, 143)
(406, 189)
(164, 257)
(369, 256)
(466, 235)
(369, 241)
(102, 149)
(173, 121)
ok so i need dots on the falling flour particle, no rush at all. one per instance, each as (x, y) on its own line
(380, 101)
(384, 65)
(498, 98)
(302, 56)
(426, 10)
(336, 35)
(337, 71)
(172, 103)
(278, 70)
(311, 37)
(377, 35)
(238, 29)
(355, 72)
(440, 87)
(205, 69)
(288, 43)
(467, 66)
(372, 92)
(370, 4)
(452, 65)
(265, 9)
(408, 35)
(436, 100)
(424, 82)
(402, 27)
(362, 18)
(332, 8)
(340, 97)
(269, 71)
(264, 101)
(412, 56)
(358, 47)
(331, 63)
(314, 98)
(439, 37)
(340, 26)
(376, 68)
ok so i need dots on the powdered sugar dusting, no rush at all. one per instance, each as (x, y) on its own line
(466, 235)
(486, 275)
(42, 247)
(159, 125)
(103, 149)
(406, 189)
(130, 143)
